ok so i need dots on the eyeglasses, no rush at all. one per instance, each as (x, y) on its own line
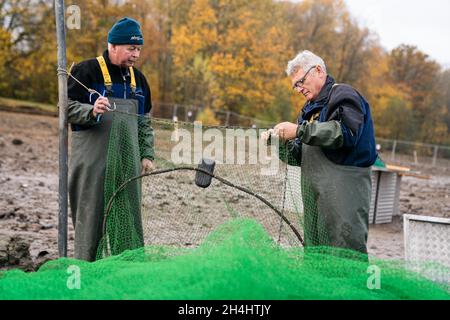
(299, 83)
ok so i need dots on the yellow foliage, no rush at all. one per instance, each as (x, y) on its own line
(197, 36)
(207, 117)
(5, 47)
(231, 55)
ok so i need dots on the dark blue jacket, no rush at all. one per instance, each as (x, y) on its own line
(344, 104)
(90, 74)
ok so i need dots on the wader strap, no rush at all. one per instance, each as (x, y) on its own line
(314, 117)
(105, 72)
(107, 77)
(133, 81)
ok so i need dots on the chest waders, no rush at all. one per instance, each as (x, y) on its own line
(336, 202)
(92, 176)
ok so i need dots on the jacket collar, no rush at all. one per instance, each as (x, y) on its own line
(324, 93)
(313, 106)
(112, 67)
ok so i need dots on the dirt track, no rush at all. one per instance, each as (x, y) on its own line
(29, 191)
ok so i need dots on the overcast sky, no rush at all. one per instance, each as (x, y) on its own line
(425, 24)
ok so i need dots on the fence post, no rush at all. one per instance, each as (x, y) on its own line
(187, 114)
(435, 153)
(394, 146)
(175, 111)
(227, 121)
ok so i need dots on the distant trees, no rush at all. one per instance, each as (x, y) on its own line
(230, 55)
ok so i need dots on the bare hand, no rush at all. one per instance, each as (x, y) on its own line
(147, 166)
(267, 134)
(101, 105)
(286, 130)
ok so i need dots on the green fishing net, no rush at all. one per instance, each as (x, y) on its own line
(239, 236)
(239, 260)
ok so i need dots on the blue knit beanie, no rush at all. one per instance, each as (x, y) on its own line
(126, 31)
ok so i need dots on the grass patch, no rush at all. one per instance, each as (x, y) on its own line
(9, 104)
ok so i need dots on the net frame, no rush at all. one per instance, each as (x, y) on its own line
(205, 172)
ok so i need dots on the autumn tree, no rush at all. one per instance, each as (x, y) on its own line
(22, 32)
(196, 42)
(249, 64)
(418, 75)
(231, 55)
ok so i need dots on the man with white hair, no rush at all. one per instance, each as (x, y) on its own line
(333, 141)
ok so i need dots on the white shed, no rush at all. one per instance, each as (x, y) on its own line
(385, 195)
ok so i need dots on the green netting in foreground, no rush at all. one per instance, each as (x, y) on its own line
(239, 260)
(216, 242)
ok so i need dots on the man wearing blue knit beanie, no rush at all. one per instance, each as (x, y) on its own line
(126, 31)
(124, 88)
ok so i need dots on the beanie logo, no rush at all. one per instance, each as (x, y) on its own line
(136, 38)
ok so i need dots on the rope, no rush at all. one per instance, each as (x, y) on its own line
(92, 91)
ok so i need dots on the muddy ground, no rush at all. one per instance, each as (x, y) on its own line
(29, 193)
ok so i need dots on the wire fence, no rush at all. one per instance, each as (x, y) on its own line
(189, 113)
(394, 151)
(414, 153)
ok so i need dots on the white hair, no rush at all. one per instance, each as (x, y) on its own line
(305, 60)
